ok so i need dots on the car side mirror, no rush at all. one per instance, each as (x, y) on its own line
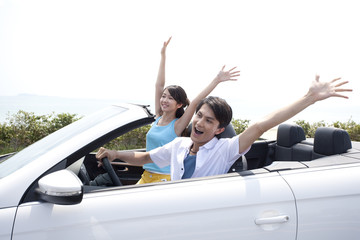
(62, 187)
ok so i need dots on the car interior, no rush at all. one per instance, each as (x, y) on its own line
(291, 145)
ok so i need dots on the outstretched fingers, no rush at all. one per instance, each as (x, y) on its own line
(229, 75)
(333, 88)
(337, 89)
(222, 69)
(233, 73)
(234, 77)
(163, 49)
(335, 79)
(237, 72)
(343, 90)
(341, 83)
(167, 42)
(232, 69)
(339, 95)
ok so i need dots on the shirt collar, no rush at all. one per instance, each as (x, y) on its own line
(210, 144)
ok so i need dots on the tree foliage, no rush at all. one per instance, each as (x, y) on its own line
(240, 125)
(350, 126)
(24, 128)
(134, 139)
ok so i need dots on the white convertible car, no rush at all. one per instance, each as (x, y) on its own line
(287, 188)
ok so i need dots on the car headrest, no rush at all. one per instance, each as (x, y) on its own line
(229, 131)
(329, 141)
(289, 134)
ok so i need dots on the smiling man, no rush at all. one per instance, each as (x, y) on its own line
(203, 154)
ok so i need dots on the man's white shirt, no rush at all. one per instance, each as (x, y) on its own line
(214, 158)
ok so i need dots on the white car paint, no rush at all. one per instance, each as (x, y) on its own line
(209, 209)
(327, 200)
(314, 200)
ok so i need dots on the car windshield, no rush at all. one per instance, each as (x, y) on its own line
(44, 145)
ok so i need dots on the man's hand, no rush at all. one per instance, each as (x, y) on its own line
(103, 152)
(323, 90)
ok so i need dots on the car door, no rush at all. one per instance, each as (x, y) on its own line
(231, 206)
(7, 216)
(327, 200)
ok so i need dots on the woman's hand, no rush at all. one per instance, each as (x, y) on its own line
(163, 49)
(227, 75)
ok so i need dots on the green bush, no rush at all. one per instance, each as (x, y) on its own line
(134, 139)
(23, 129)
(350, 126)
(240, 125)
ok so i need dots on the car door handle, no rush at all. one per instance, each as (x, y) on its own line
(272, 220)
(123, 170)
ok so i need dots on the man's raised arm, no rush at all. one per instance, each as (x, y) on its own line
(318, 91)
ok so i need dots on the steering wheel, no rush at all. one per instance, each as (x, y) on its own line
(110, 170)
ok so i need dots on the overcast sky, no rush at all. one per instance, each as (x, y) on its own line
(111, 49)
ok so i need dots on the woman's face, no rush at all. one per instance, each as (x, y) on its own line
(168, 103)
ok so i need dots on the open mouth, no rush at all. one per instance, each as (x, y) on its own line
(198, 132)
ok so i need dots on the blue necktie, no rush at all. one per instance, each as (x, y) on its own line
(189, 165)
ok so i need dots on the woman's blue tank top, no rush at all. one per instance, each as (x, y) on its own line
(156, 137)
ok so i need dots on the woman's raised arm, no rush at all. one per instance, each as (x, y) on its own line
(160, 82)
(223, 76)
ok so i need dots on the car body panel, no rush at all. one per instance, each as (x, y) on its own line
(207, 209)
(7, 216)
(327, 200)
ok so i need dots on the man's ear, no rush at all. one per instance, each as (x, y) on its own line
(219, 130)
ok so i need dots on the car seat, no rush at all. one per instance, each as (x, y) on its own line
(330, 141)
(287, 136)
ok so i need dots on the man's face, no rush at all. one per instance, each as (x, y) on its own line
(205, 126)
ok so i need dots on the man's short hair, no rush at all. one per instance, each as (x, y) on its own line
(221, 109)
